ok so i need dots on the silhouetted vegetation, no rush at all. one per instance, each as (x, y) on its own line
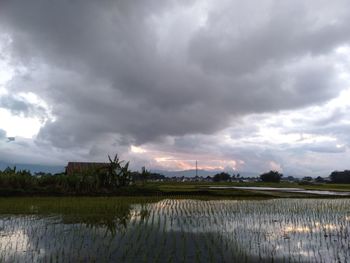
(115, 178)
(11, 178)
(144, 174)
(221, 177)
(272, 176)
(307, 178)
(100, 180)
(147, 176)
(340, 177)
(320, 179)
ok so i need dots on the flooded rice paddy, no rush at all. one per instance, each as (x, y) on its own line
(287, 190)
(173, 230)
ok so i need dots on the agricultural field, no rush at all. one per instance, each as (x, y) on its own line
(241, 190)
(136, 229)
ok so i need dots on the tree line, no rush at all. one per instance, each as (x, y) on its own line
(100, 180)
(112, 178)
(339, 177)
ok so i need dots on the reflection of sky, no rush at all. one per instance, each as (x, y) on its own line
(281, 189)
(15, 242)
(295, 230)
(257, 225)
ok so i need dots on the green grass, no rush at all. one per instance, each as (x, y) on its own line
(202, 188)
(180, 189)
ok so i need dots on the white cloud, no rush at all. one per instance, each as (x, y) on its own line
(19, 126)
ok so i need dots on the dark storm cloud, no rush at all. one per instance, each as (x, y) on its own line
(243, 37)
(100, 65)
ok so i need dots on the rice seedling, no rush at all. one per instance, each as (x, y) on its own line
(173, 230)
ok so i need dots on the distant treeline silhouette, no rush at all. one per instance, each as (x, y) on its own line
(340, 177)
(115, 178)
(272, 176)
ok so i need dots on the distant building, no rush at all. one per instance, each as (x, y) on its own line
(78, 167)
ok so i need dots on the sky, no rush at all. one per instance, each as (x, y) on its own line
(244, 85)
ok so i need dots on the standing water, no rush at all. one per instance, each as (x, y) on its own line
(170, 230)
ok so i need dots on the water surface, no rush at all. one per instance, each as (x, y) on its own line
(282, 189)
(170, 230)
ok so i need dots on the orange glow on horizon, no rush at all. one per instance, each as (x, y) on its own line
(169, 162)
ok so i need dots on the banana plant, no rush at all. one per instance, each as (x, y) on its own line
(118, 175)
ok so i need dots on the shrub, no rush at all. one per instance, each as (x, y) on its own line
(272, 176)
(340, 177)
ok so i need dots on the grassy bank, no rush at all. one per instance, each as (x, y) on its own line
(196, 188)
(179, 189)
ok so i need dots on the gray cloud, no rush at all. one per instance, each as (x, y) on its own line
(243, 37)
(129, 72)
(20, 106)
(2, 134)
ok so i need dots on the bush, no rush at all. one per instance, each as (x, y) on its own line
(272, 176)
(340, 177)
(11, 178)
(221, 177)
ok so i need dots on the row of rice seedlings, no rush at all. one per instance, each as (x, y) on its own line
(187, 231)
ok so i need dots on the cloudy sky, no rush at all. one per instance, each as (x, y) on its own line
(232, 84)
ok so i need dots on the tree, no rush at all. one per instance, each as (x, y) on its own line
(272, 176)
(290, 178)
(319, 179)
(221, 177)
(340, 177)
(307, 178)
(144, 174)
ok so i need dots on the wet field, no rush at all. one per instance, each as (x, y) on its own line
(174, 230)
